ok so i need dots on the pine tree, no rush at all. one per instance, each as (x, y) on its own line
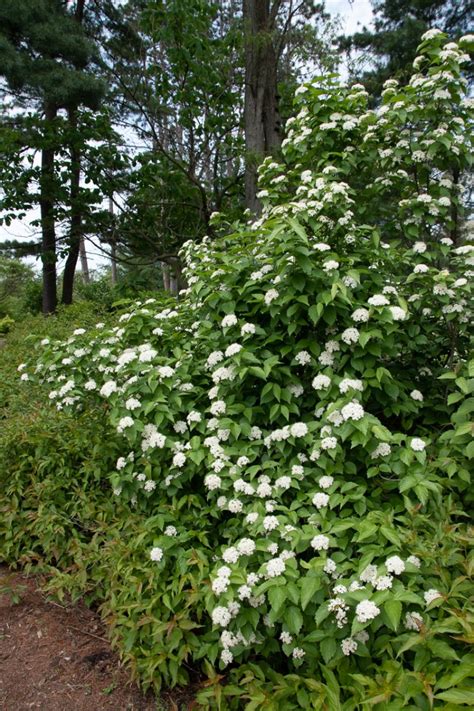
(44, 55)
(397, 29)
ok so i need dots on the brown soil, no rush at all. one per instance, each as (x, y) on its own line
(57, 658)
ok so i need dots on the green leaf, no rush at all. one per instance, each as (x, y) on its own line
(328, 649)
(393, 612)
(276, 597)
(310, 585)
(463, 695)
(293, 619)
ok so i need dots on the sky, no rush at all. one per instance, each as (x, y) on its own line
(353, 15)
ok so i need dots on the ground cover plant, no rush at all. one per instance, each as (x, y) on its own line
(290, 495)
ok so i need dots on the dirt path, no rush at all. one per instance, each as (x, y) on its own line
(57, 659)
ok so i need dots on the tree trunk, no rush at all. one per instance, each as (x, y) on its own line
(261, 117)
(113, 247)
(75, 230)
(48, 231)
(84, 263)
(165, 271)
(113, 264)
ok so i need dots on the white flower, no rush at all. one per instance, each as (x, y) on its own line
(330, 265)
(320, 500)
(165, 371)
(378, 300)
(244, 592)
(369, 574)
(79, 332)
(221, 616)
(350, 383)
(395, 565)
(255, 433)
(326, 358)
(251, 517)
(223, 374)
(152, 438)
(384, 582)
(329, 443)
(179, 459)
(171, 531)
(246, 546)
(275, 567)
(303, 358)
(226, 655)
(132, 404)
(124, 422)
(298, 653)
(398, 314)
(194, 416)
(283, 482)
(414, 560)
(150, 485)
(348, 646)
(361, 315)
(382, 450)
(270, 296)
(212, 482)
(270, 523)
(299, 429)
(431, 595)
(90, 385)
(429, 34)
(286, 637)
(214, 358)
(420, 269)
(156, 554)
(231, 555)
(247, 329)
(350, 335)
(321, 381)
(330, 566)
(326, 481)
(108, 388)
(235, 506)
(366, 610)
(232, 350)
(464, 249)
(218, 408)
(229, 320)
(419, 247)
(413, 621)
(416, 395)
(417, 444)
(320, 543)
(147, 356)
(352, 411)
(321, 247)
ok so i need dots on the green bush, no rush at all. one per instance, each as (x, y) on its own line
(6, 324)
(291, 485)
(20, 289)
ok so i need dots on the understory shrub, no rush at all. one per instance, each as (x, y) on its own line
(293, 436)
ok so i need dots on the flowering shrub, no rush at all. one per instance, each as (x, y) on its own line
(288, 430)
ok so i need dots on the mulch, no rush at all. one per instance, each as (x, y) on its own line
(57, 658)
